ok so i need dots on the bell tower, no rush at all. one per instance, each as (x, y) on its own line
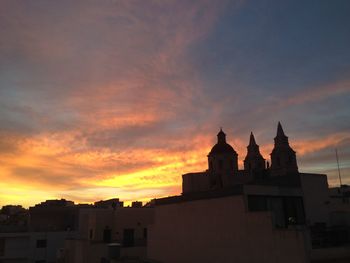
(283, 157)
(254, 163)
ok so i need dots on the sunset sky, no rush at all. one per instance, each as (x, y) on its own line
(119, 98)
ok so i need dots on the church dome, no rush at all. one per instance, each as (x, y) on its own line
(222, 147)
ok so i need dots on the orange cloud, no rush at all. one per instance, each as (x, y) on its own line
(312, 145)
(319, 93)
(65, 167)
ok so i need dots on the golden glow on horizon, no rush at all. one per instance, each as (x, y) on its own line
(52, 163)
(163, 169)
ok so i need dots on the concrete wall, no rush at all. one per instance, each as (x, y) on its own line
(22, 247)
(85, 248)
(16, 247)
(53, 218)
(220, 230)
(134, 218)
(316, 198)
(96, 220)
(339, 212)
(55, 243)
(195, 182)
(84, 251)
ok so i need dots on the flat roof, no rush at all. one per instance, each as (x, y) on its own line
(231, 191)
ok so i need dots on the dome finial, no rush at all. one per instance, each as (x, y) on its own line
(221, 136)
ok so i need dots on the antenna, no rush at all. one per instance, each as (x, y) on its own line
(336, 155)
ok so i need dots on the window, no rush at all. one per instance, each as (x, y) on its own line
(145, 233)
(91, 233)
(40, 261)
(257, 203)
(294, 209)
(41, 243)
(128, 237)
(107, 235)
(286, 210)
(2, 246)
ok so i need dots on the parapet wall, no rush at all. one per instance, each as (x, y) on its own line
(220, 230)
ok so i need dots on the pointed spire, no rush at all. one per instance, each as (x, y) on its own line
(280, 132)
(283, 158)
(252, 139)
(281, 139)
(253, 148)
(253, 161)
(221, 136)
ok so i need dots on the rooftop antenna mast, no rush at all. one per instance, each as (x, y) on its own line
(336, 155)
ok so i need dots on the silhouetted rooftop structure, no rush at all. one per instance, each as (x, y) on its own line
(221, 146)
(110, 203)
(55, 203)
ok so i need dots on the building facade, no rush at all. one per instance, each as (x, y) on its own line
(266, 212)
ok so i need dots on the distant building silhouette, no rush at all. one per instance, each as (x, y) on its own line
(55, 203)
(223, 164)
(114, 203)
(60, 231)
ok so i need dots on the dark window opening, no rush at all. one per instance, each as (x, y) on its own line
(91, 234)
(107, 235)
(257, 203)
(294, 210)
(145, 233)
(128, 237)
(41, 243)
(2, 246)
(285, 210)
